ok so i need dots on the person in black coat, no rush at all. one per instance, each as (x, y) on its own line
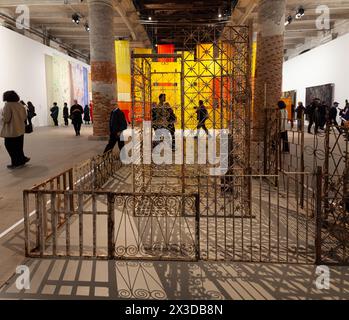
(54, 113)
(332, 115)
(31, 112)
(300, 110)
(87, 118)
(202, 116)
(65, 113)
(117, 124)
(76, 112)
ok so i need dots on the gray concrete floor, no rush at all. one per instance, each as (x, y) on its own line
(51, 149)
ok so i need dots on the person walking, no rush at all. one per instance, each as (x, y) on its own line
(283, 123)
(66, 114)
(87, 114)
(344, 113)
(300, 110)
(312, 114)
(76, 112)
(54, 113)
(170, 120)
(201, 116)
(117, 124)
(31, 112)
(333, 114)
(14, 116)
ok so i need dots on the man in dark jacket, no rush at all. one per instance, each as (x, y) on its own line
(76, 112)
(54, 113)
(65, 113)
(313, 115)
(117, 124)
(300, 116)
(202, 116)
(332, 114)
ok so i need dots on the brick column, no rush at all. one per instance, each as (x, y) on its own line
(270, 53)
(103, 75)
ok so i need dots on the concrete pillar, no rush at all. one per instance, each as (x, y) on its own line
(103, 75)
(270, 52)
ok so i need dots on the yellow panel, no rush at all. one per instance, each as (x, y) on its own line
(142, 50)
(123, 69)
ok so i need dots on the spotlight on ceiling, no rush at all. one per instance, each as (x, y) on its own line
(75, 18)
(300, 13)
(288, 20)
(220, 13)
(87, 27)
(149, 18)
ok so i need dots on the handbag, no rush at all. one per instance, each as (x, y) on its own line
(28, 128)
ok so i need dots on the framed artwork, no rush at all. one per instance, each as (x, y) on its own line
(323, 92)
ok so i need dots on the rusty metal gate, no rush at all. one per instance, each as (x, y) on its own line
(271, 208)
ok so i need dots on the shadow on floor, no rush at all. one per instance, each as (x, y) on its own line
(90, 279)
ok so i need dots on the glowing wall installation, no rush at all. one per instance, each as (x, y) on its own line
(123, 75)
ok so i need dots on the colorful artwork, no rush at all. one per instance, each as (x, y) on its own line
(123, 70)
(86, 91)
(290, 98)
(60, 81)
(65, 81)
(324, 93)
(77, 83)
(166, 49)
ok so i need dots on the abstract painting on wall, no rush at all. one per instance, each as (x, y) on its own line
(65, 81)
(86, 93)
(77, 83)
(60, 81)
(323, 92)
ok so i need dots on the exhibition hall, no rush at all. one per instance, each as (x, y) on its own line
(174, 150)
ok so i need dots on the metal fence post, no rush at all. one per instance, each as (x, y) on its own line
(197, 226)
(71, 188)
(26, 222)
(110, 208)
(318, 218)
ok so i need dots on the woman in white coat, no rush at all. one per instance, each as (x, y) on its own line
(13, 116)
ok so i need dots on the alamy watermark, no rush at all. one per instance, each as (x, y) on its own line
(23, 18)
(23, 280)
(323, 20)
(323, 280)
(162, 147)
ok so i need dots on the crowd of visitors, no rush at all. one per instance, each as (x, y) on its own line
(16, 120)
(67, 114)
(317, 113)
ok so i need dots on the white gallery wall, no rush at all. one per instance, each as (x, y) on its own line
(22, 68)
(326, 64)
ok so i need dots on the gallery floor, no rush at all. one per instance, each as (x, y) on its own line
(52, 150)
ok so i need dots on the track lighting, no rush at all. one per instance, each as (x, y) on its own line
(87, 27)
(288, 20)
(75, 18)
(300, 13)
